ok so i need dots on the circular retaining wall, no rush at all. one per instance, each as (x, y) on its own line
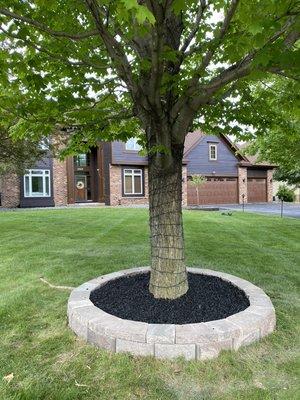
(191, 341)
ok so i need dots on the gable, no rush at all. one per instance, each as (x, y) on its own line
(198, 161)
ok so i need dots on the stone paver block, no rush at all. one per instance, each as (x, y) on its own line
(212, 350)
(72, 305)
(102, 341)
(171, 351)
(224, 329)
(161, 333)
(268, 319)
(77, 295)
(250, 325)
(136, 348)
(195, 333)
(80, 317)
(124, 329)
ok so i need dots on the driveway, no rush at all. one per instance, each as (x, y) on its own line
(289, 209)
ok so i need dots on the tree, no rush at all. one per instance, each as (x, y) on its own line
(279, 143)
(16, 155)
(197, 181)
(292, 177)
(285, 194)
(111, 68)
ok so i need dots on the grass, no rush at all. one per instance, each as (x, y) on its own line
(69, 247)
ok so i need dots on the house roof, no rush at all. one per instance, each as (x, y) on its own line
(253, 159)
(191, 140)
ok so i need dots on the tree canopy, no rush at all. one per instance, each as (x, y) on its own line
(279, 142)
(103, 66)
(17, 155)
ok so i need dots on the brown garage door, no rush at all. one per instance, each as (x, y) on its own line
(257, 190)
(214, 191)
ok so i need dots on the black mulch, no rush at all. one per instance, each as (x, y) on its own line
(208, 298)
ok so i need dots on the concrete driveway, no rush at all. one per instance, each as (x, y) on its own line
(289, 209)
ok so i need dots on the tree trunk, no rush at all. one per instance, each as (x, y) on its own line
(168, 272)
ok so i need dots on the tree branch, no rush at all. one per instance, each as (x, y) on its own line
(51, 55)
(218, 37)
(114, 48)
(201, 9)
(199, 95)
(46, 29)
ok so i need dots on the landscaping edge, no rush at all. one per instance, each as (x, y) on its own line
(196, 341)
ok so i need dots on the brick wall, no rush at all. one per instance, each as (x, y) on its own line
(242, 182)
(10, 191)
(116, 198)
(115, 181)
(60, 186)
(270, 185)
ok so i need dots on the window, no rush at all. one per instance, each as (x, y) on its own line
(82, 160)
(132, 145)
(132, 182)
(44, 144)
(213, 152)
(37, 183)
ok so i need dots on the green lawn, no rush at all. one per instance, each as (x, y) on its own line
(69, 247)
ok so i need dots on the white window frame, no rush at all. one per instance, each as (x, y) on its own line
(40, 173)
(44, 144)
(132, 172)
(216, 152)
(135, 146)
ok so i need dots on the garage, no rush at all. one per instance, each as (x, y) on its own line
(257, 190)
(217, 190)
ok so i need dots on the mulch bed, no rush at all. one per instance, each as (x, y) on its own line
(208, 298)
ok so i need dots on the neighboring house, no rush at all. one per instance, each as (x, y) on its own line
(114, 173)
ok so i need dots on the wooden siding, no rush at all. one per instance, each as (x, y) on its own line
(257, 173)
(199, 163)
(45, 163)
(214, 191)
(122, 156)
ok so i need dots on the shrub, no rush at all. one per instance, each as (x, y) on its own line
(285, 194)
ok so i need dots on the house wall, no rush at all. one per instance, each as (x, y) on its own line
(199, 163)
(45, 163)
(10, 191)
(116, 198)
(122, 156)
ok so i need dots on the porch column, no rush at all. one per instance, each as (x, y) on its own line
(242, 181)
(60, 186)
(270, 185)
(184, 186)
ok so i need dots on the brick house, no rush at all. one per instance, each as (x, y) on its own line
(115, 174)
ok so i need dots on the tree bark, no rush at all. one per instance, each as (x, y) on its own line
(168, 272)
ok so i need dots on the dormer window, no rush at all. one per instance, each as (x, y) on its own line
(132, 145)
(213, 152)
